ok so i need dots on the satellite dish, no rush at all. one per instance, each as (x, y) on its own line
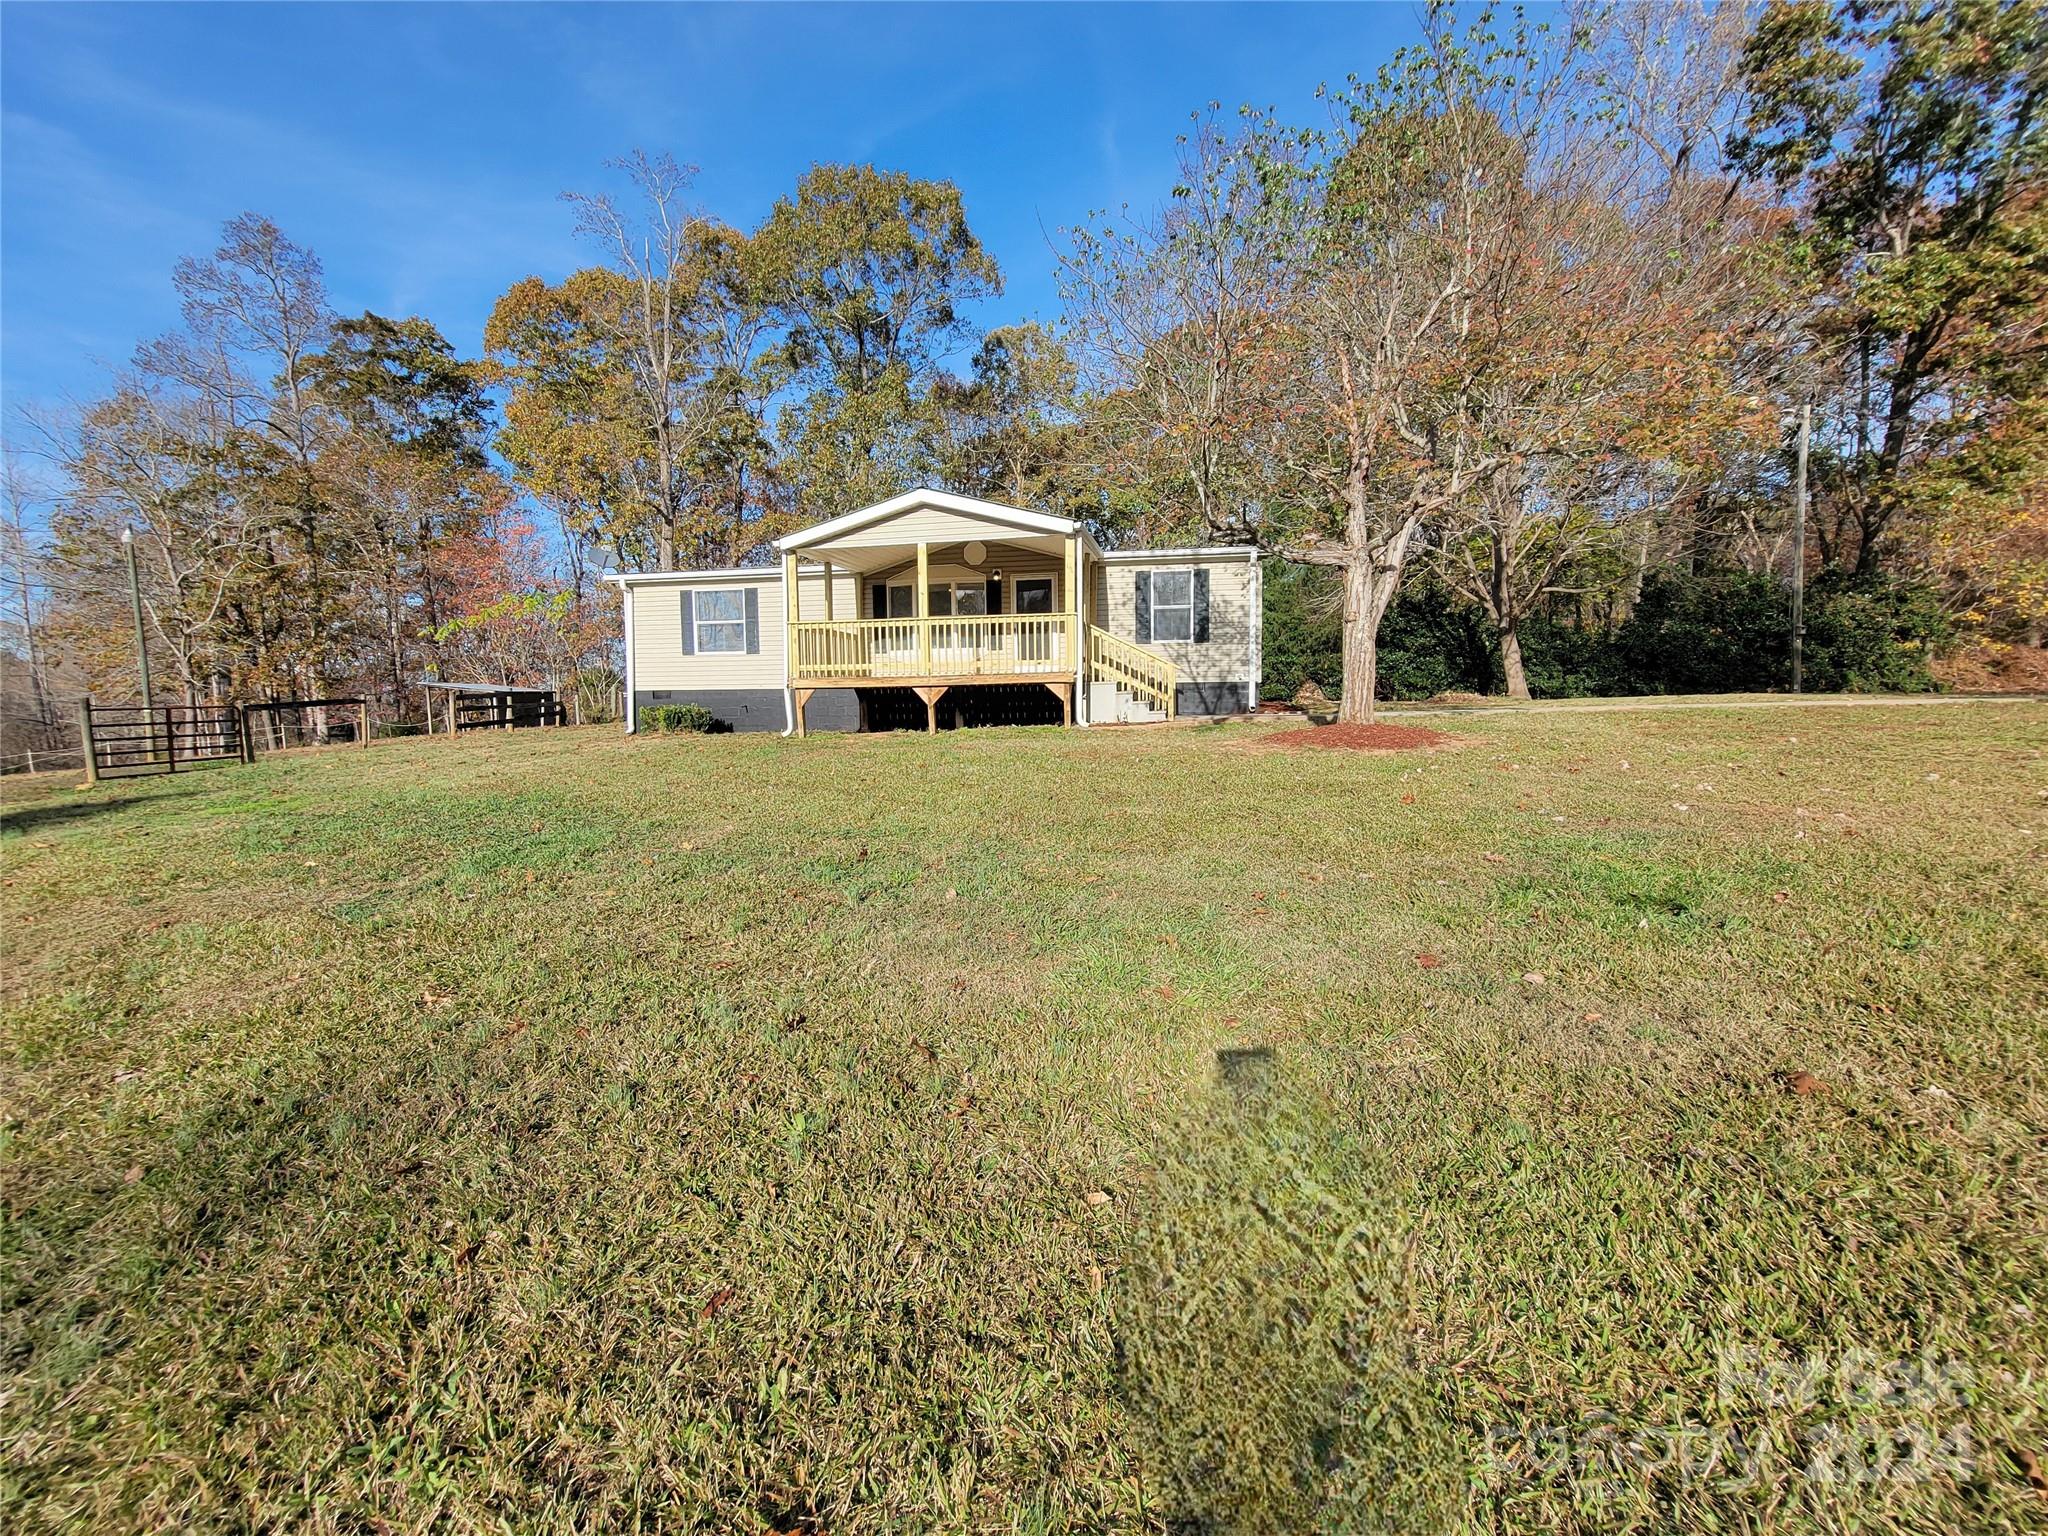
(976, 552)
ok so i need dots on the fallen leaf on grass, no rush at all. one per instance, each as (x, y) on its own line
(1781, 897)
(1534, 978)
(1428, 962)
(436, 1000)
(1804, 1083)
(1593, 1018)
(1407, 799)
(1494, 858)
(1168, 993)
(133, 1175)
(1097, 1197)
(2030, 1468)
(720, 1300)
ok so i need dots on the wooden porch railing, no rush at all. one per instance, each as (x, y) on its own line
(966, 645)
(1132, 668)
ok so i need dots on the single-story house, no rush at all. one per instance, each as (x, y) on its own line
(934, 609)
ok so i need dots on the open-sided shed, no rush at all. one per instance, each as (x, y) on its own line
(491, 707)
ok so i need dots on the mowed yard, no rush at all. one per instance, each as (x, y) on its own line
(1613, 1122)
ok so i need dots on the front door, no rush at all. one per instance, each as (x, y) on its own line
(1034, 641)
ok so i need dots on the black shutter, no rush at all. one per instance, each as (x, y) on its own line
(1142, 581)
(689, 622)
(992, 594)
(1201, 629)
(754, 619)
(878, 599)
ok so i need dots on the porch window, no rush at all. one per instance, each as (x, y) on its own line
(946, 599)
(1173, 605)
(721, 621)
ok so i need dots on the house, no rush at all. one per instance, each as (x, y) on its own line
(932, 609)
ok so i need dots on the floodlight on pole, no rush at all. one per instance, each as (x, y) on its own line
(135, 608)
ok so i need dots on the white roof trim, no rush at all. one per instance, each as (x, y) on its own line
(1200, 551)
(945, 501)
(723, 573)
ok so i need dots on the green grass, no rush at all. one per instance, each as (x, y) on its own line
(562, 1132)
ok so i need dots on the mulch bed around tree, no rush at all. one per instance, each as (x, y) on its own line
(1363, 738)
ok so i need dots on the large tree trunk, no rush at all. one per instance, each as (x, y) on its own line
(1511, 663)
(1367, 592)
(1361, 646)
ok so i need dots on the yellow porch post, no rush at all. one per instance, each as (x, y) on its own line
(1073, 596)
(924, 609)
(789, 616)
(828, 589)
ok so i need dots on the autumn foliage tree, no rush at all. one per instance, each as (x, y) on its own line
(293, 481)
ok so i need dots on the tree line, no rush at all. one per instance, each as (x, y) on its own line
(1521, 327)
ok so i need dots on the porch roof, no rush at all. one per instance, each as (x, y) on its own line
(1013, 524)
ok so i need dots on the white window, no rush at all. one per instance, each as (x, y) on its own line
(721, 621)
(1173, 605)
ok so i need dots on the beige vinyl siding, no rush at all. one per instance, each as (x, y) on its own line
(811, 599)
(1225, 656)
(658, 659)
(926, 525)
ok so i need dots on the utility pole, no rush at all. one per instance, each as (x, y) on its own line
(135, 607)
(141, 640)
(1799, 548)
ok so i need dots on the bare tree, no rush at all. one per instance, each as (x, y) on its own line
(655, 249)
(1174, 317)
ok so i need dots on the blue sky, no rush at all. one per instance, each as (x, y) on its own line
(420, 150)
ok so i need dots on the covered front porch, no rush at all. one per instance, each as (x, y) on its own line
(948, 593)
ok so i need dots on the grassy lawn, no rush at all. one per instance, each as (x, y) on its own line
(1040, 1131)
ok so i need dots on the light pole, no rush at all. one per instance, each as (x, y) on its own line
(135, 608)
(1799, 548)
(141, 640)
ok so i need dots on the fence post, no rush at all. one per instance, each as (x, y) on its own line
(364, 706)
(241, 717)
(92, 762)
(170, 740)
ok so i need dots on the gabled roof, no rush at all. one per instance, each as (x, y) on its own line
(946, 501)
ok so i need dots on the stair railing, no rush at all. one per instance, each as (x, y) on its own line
(1137, 671)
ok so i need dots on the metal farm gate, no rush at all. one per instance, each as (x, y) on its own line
(128, 741)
